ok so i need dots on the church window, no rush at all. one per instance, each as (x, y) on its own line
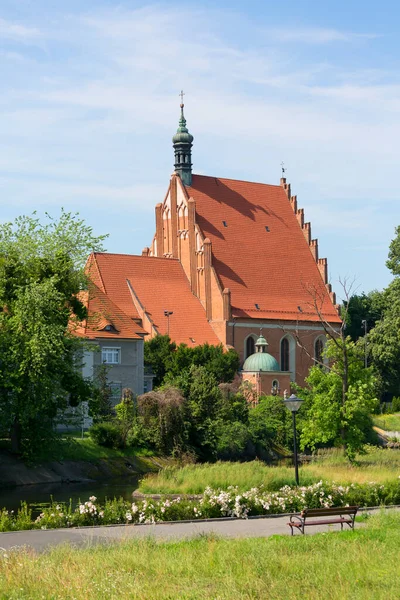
(250, 346)
(285, 355)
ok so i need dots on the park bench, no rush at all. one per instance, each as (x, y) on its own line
(343, 515)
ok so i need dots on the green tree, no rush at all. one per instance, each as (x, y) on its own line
(339, 400)
(169, 361)
(100, 403)
(158, 354)
(126, 414)
(363, 307)
(41, 275)
(384, 339)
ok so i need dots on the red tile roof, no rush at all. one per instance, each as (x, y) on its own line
(105, 319)
(273, 269)
(160, 284)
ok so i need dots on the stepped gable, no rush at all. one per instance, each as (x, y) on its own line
(150, 286)
(105, 319)
(262, 249)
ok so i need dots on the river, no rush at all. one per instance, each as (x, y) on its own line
(11, 498)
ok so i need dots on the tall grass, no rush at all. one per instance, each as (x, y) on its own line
(377, 464)
(359, 565)
(388, 422)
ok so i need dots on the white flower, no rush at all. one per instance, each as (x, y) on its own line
(93, 498)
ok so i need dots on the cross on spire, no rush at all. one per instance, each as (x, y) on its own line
(283, 168)
(181, 95)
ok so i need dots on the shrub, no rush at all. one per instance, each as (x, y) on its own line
(107, 434)
(396, 404)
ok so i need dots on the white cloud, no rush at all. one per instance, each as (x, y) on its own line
(15, 31)
(315, 35)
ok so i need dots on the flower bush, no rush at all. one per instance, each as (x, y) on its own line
(212, 504)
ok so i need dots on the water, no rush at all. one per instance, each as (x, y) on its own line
(11, 498)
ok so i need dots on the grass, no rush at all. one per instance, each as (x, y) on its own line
(388, 422)
(380, 465)
(359, 565)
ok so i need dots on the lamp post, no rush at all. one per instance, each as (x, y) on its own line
(293, 404)
(364, 324)
(168, 313)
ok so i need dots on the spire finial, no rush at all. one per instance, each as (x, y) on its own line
(182, 142)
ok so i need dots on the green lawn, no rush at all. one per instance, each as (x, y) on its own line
(360, 565)
(377, 464)
(388, 422)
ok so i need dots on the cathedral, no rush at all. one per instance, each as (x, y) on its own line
(232, 262)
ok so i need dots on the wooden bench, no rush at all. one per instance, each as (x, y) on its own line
(343, 515)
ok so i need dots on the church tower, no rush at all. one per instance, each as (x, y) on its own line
(182, 142)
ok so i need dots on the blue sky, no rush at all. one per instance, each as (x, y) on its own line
(89, 103)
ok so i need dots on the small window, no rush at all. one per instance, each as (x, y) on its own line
(250, 346)
(285, 354)
(224, 223)
(266, 228)
(257, 306)
(111, 356)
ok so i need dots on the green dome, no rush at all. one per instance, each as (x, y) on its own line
(182, 135)
(261, 361)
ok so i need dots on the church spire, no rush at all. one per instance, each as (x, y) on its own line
(182, 142)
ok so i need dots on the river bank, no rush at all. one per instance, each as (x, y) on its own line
(14, 472)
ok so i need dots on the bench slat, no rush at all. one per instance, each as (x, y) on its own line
(323, 512)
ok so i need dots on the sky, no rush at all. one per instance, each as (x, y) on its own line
(89, 103)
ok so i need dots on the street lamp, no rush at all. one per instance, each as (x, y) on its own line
(168, 313)
(293, 404)
(364, 324)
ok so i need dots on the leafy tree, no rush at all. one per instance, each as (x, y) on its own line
(368, 307)
(162, 416)
(158, 355)
(270, 424)
(100, 403)
(126, 414)
(41, 274)
(169, 361)
(338, 408)
(384, 339)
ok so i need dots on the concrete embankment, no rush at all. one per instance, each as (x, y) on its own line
(14, 472)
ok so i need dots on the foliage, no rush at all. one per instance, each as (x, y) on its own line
(360, 564)
(211, 504)
(107, 434)
(384, 339)
(395, 404)
(338, 410)
(100, 403)
(169, 361)
(162, 418)
(41, 274)
(270, 423)
(126, 414)
(368, 307)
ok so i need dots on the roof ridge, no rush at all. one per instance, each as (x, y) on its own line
(137, 256)
(277, 185)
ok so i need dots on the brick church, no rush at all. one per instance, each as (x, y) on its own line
(229, 258)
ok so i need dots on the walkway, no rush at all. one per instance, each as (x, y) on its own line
(41, 540)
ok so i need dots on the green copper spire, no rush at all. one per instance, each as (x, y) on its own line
(182, 143)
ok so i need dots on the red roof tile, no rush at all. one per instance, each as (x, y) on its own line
(160, 284)
(273, 269)
(104, 314)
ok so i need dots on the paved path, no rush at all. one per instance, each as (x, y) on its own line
(41, 540)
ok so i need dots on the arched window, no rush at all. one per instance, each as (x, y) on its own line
(319, 349)
(285, 355)
(250, 346)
